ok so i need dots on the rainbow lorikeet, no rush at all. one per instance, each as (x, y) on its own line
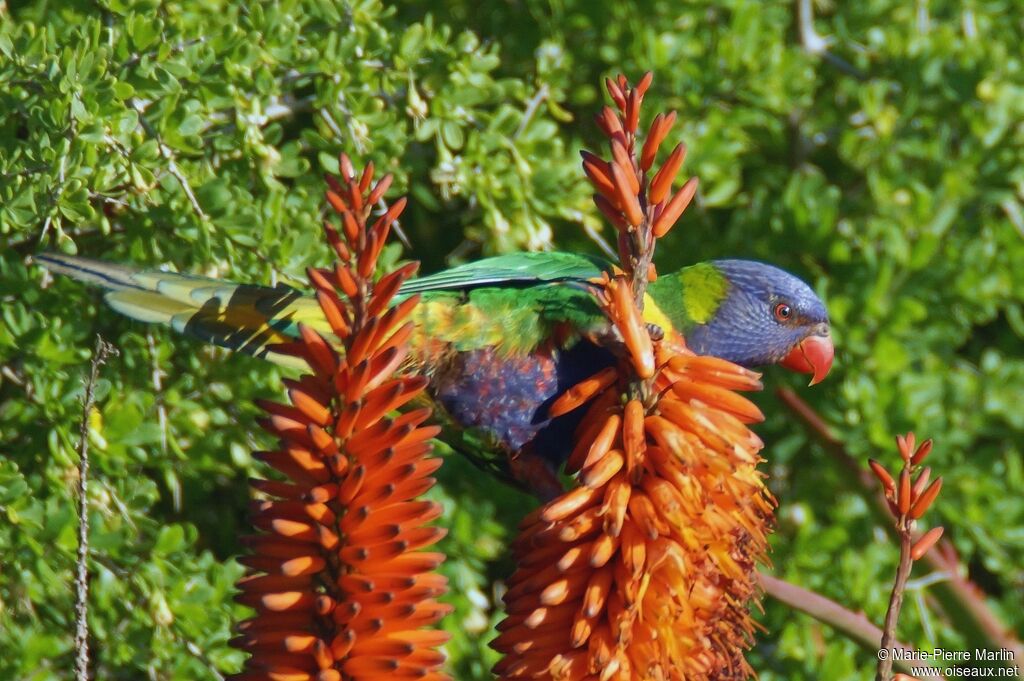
(501, 338)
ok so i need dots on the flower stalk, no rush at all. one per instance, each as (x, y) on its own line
(908, 497)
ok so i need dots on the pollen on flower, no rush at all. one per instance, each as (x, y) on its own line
(339, 577)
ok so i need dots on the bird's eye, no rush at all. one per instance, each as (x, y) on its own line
(783, 312)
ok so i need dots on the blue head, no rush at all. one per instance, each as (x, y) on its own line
(766, 316)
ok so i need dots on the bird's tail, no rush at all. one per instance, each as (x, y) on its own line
(240, 317)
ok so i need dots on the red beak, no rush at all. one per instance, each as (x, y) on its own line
(812, 355)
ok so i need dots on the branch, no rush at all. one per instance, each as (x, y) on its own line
(531, 110)
(959, 594)
(99, 356)
(854, 625)
(172, 164)
(816, 44)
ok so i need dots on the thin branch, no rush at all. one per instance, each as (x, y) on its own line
(99, 356)
(56, 192)
(25, 172)
(157, 374)
(816, 44)
(892, 613)
(593, 232)
(959, 594)
(854, 625)
(531, 110)
(177, 47)
(172, 164)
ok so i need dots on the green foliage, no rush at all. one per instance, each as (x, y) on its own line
(195, 135)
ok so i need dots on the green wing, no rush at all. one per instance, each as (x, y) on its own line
(513, 269)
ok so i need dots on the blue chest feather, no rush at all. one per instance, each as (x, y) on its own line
(507, 398)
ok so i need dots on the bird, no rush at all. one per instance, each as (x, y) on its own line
(501, 338)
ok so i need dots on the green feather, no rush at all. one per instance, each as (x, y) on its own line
(512, 303)
(515, 268)
(690, 296)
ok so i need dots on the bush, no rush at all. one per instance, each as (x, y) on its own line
(887, 170)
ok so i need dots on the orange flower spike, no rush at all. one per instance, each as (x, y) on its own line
(633, 435)
(602, 470)
(348, 171)
(610, 124)
(622, 157)
(905, 443)
(920, 483)
(923, 502)
(337, 203)
(334, 239)
(346, 280)
(921, 453)
(675, 208)
(644, 83)
(609, 210)
(349, 223)
(616, 504)
(346, 460)
(627, 196)
(380, 189)
(903, 499)
(634, 550)
(319, 351)
(596, 593)
(720, 398)
(661, 185)
(582, 392)
(633, 329)
(660, 128)
(386, 289)
(616, 93)
(632, 112)
(570, 503)
(316, 412)
(603, 549)
(669, 532)
(925, 543)
(367, 177)
(599, 173)
(603, 441)
(716, 371)
(382, 226)
(888, 484)
(335, 312)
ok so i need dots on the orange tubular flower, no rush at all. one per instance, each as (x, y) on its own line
(646, 568)
(341, 586)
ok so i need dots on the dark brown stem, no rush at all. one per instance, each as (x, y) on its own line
(892, 615)
(853, 625)
(99, 356)
(963, 599)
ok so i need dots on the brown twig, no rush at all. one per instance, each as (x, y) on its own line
(531, 110)
(892, 614)
(854, 625)
(172, 163)
(99, 356)
(959, 596)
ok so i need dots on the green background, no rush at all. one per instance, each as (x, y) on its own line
(888, 171)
